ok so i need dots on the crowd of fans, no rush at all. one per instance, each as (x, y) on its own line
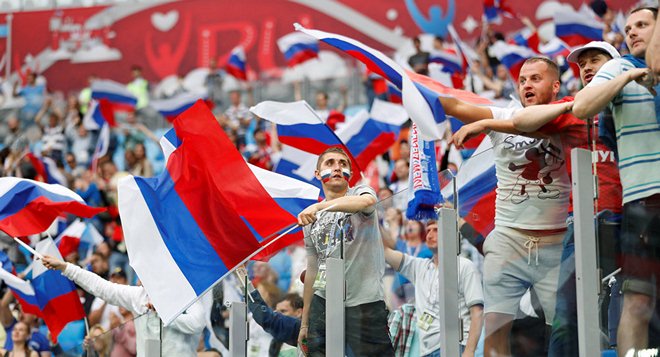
(50, 124)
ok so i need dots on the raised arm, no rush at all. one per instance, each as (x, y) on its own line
(592, 99)
(283, 328)
(534, 117)
(6, 318)
(132, 298)
(467, 113)
(653, 53)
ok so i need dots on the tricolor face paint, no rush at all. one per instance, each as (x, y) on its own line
(327, 174)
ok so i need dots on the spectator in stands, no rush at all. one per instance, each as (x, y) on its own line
(423, 272)
(400, 184)
(419, 61)
(100, 342)
(213, 84)
(36, 341)
(34, 95)
(350, 221)
(139, 87)
(20, 342)
(238, 116)
(180, 338)
(625, 86)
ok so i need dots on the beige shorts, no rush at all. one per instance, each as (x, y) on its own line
(515, 262)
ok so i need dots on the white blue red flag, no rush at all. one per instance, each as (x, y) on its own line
(30, 207)
(56, 295)
(236, 64)
(47, 170)
(512, 56)
(298, 48)
(369, 134)
(476, 184)
(172, 107)
(23, 292)
(300, 127)
(98, 115)
(102, 145)
(555, 48)
(451, 61)
(78, 237)
(494, 10)
(577, 28)
(527, 38)
(297, 164)
(419, 93)
(204, 215)
(114, 93)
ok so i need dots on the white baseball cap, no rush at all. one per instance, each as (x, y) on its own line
(593, 45)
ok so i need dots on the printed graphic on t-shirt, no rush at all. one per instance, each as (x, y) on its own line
(539, 161)
(329, 230)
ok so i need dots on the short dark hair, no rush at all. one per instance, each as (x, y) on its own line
(295, 300)
(551, 64)
(334, 149)
(653, 10)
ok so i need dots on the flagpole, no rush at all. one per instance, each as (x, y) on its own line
(9, 18)
(29, 249)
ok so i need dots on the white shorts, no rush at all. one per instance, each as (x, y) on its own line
(513, 263)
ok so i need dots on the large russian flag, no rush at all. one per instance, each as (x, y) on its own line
(30, 207)
(297, 164)
(236, 64)
(23, 292)
(100, 112)
(204, 215)
(512, 56)
(368, 135)
(476, 184)
(172, 107)
(298, 48)
(56, 295)
(300, 127)
(419, 93)
(577, 28)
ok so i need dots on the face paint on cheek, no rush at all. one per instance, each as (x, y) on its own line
(346, 172)
(325, 175)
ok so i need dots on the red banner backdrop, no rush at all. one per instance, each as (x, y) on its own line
(68, 45)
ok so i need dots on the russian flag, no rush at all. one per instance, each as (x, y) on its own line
(100, 112)
(56, 295)
(78, 237)
(298, 48)
(527, 38)
(368, 135)
(47, 170)
(223, 213)
(236, 63)
(577, 28)
(451, 61)
(394, 94)
(555, 48)
(297, 164)
(172, 107)
(23, 292)
(299, 126)
(494, 9)
(30, 207)
(102, 145)
(114, 93)
(422, 103)
(476, 184)
(512, 56)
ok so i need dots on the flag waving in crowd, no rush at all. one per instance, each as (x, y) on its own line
(218, 225)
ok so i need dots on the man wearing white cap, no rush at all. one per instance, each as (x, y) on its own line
(624, 85)
(556, 118)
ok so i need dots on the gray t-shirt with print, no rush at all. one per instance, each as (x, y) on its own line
(364, 261)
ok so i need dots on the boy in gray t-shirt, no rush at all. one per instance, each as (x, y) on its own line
(350, 217)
